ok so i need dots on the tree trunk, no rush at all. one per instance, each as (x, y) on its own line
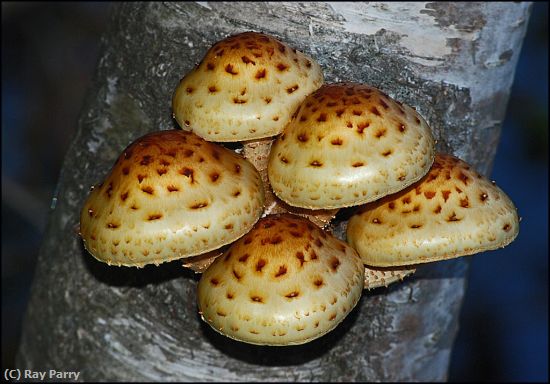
(454, 62)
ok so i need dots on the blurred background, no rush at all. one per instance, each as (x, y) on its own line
(49, 52)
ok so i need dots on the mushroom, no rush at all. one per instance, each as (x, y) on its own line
(286, 282)
(452, 211)
(170, 195)
(349, 144)
(246, 89)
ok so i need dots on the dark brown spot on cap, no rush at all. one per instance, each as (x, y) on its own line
(506, 227)
(112, 225)
(188, 172)
(334, 264)
(453, 217)
(125, 170)
(322, 117)
(303, 137)
(212, 89)
(256, 299)
(380, 133)
(244, 257)
(210, 66)
(247, 60)
(228, 226)
(318, 282)
(281, 67)
(445, 194)
(124, 196)
(282, 270)
(414, 226)
(202, 204)
(236, 100)
(464, 203)
(162, 171)
(437, 209)
(230, 69)
(214, 176)
(429, 194)
(260, 74)
(463, 178)
(316, 163)
(188, 153)
(300, 256)
(361, 126)
(291, 89)
(483, 196)
(147, 189)
(357, 164)
(375, 110)
(387, 153)
(214, 281)
(292, 294)
(237, 275)
(260, 265)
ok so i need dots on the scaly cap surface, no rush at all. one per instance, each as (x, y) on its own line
(349, 144)
(285, 282)
(246, 87)
(170, 195)
(453, 211)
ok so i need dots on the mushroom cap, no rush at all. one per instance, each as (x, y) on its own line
(453, 211)
(246, 87)
(170, 195)
(349, 144)
(285, 282)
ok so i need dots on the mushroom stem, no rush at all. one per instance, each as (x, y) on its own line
(377, 277)
(200, 263)
(257, 152)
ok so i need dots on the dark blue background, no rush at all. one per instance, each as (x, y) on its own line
(49, 52)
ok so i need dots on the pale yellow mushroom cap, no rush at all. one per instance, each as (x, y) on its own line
(285, 282)
(246, 87)
(453, 211)
(170, 195)
(349, 144)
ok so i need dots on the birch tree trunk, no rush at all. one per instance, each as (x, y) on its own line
(454, 62)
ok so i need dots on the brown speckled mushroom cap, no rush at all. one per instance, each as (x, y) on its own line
(453, 211)
(246, 87)
(349, 144)
(170, 195)
(285, 282)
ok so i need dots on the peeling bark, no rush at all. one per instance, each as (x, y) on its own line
(454, 62)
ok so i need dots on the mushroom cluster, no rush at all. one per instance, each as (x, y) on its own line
(256, 222)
